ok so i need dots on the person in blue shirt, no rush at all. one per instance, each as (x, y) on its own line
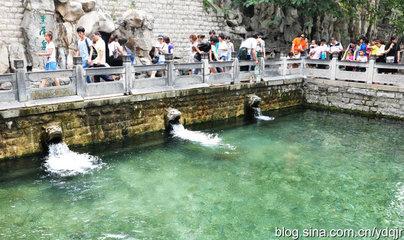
(363, 44)
(84, 45)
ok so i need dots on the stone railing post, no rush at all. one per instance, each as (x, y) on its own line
(261, 67)
(80, 78)
(128, 73)
(302, 64)
(170, 69)
(284, 66)
(333, 66)
(205, 62)
(236, 68)
(371, 69)
(20, 80)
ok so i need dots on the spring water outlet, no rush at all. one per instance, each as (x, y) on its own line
(172, 118)
(51, 134)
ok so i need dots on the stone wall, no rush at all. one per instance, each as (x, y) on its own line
(366, 98)
(175, 18)
(12, 13)
(98, 120)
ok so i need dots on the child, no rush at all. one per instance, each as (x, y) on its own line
(362, 58)
(230, 48)
(349, 57)
(192, 60)
(51, 64)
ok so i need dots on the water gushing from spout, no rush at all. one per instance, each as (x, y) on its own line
(64, 162)
(258, 115)
(252, 108)
(205, 139)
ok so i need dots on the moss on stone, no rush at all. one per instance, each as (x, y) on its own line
(350, 111)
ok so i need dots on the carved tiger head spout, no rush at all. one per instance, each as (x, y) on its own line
(51, 133)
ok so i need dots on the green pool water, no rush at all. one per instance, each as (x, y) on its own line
(303, 170)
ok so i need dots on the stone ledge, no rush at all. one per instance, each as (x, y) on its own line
(355, 85)
(371, 112)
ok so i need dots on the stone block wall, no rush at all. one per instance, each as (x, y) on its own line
(366, 98)
(11, 15)
(99, 120)
(175, 18)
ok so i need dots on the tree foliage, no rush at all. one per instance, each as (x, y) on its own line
(369, 10)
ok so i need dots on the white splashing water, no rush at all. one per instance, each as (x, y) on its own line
(64, 162)
(114, 236)
(258, 115)
(195, 136)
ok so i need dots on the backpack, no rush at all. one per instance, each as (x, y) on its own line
(95, 54)
(205, 47)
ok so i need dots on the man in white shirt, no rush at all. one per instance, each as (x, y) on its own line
(248, 51)
(260, 35)
(335, 47)
(100, 60)
(250, 46)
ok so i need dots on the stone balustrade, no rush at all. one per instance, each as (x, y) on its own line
(134, 79)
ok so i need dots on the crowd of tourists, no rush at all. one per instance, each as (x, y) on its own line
(220, 48)
(93, 54)
(357, 51)
(217, 48)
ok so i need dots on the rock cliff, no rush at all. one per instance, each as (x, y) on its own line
(280, 25)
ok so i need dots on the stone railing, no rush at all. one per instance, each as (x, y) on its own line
(134, 79)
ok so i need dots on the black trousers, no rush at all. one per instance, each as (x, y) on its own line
(97, 77)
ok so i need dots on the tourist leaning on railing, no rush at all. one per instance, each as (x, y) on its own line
(362, 58)
(51, 63)
(248, 51)
(363, 44)
(299, 45)
(335, 47)
(373, 47)
(312, 46)
(392, 53)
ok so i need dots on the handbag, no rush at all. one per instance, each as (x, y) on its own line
(95, 54)
(155, 59)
